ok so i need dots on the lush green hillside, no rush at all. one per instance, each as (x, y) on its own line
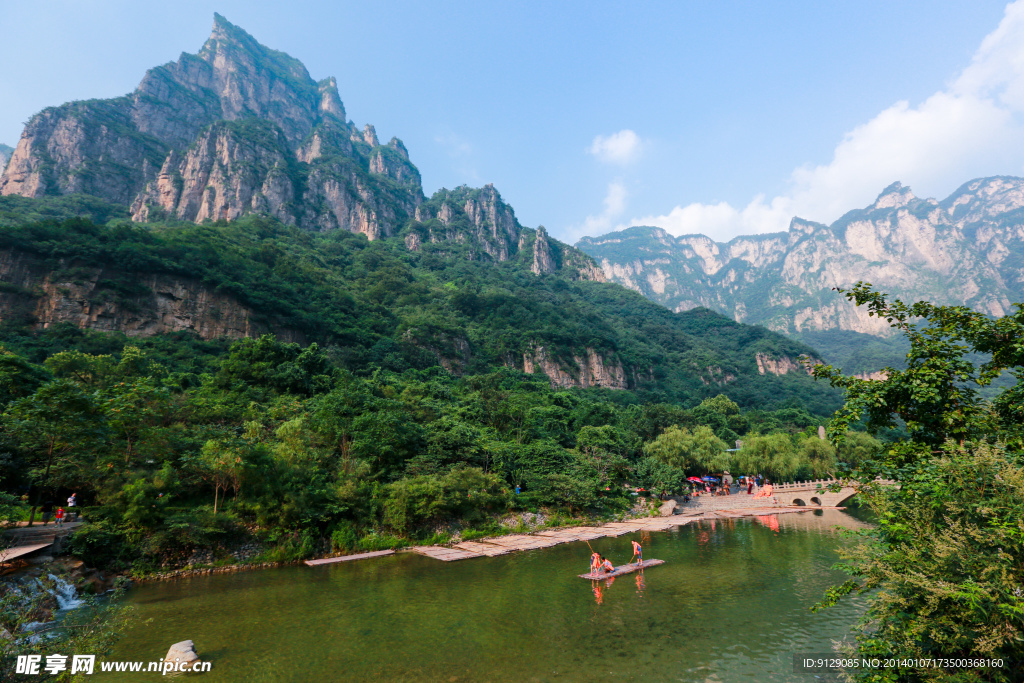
(377, 304)
(404, 415)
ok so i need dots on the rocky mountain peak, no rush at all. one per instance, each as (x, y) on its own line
(965, 250)
(895, 196)
(234, 129)
(369, 136)
(330, 100)
(985, 198)
(542, 261)
(800, 226)
(476, 223)
(399, 147)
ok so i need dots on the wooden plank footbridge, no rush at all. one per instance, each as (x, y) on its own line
(789, 497)
(25, 540)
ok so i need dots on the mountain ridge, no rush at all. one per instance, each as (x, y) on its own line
(240, 128)
(234, 129)
(967, 249)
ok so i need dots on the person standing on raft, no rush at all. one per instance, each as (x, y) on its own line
(638, 552)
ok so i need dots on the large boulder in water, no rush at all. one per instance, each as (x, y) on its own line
(184, 652)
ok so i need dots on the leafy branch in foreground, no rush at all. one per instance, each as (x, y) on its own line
(945, 563)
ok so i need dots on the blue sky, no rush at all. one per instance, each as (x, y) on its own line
(715, 117)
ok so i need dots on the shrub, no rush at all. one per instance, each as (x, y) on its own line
(101, 544)
(381, 542)
(344, 537)
(465, 493)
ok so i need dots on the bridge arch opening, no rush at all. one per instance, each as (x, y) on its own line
(816, 501)
(800, 502)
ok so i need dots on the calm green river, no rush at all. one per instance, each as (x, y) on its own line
(730, 604)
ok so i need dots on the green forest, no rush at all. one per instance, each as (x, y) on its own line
(401, 418)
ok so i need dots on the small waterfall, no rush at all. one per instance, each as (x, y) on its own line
(67, 596)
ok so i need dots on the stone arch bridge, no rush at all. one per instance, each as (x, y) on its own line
(814, 493)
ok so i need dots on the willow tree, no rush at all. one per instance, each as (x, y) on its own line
(693, 451)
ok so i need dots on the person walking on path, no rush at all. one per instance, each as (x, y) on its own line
(47, 510)
(58, 519)
(750, 485)
(727, 483)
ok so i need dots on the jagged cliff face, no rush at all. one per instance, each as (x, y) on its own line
(137, 304)
(478, 224)
(586, 369)
(235, 129)
(967, 249)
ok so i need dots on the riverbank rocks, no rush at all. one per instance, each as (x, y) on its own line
(183, 652)
(668, 508)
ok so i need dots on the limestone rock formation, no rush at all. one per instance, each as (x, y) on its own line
(967, 249)
(239, 128)
(236, 128)
(137, 304)
(778, 366)
(587, 370)
(475, 223)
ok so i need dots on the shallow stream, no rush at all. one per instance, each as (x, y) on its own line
(729, 604)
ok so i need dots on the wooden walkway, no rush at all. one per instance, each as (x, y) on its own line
(18, 551)
(547, 538)
(349, 558)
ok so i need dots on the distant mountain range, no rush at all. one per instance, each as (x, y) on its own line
(967, 249)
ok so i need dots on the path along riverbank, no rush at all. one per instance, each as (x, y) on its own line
(500, 545)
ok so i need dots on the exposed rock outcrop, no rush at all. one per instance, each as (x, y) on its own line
(237, 128)
(588, 370)
(137, 304)
(778, 366)
(877, 376)
(477, 224)
(542, 261)
(966, 250)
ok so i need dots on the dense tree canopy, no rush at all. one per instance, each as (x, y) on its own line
(946, 562)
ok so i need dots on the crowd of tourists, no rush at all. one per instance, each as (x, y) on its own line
(727, 485)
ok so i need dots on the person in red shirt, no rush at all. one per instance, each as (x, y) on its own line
(59, 517)
(638, 552)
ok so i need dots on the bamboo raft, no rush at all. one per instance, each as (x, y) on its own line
(619, 571)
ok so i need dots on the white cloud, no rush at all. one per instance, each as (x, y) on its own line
(618, 148)
(461, 153)
(614, 206)
(974, 127)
